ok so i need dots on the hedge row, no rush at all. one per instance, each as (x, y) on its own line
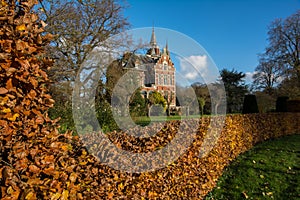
(60, 167)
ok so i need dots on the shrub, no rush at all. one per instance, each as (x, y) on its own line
(281, 104)
(250, 104)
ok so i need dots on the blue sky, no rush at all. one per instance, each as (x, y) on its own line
(233, 32)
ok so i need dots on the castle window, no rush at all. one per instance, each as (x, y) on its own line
(165, 66)
(166, 80)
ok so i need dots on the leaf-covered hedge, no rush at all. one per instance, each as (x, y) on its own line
(61, 168)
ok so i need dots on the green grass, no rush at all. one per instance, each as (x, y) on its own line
(270, 170)
(144, 120)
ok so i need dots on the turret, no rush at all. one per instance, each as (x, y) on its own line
(166, 50)
(153, 39)
(154, 49)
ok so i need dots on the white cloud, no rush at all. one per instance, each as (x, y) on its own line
(199, 62)
(194, 67)
(191, 76)
(249, 75)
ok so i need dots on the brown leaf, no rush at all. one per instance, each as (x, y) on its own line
(34, 82)
(9, 84)
(50, 170)
(39, 39)
(34, 169)
(29, 4)
(31, 50)
(4, 56)
(3, 90)
(48, 37)
(6, 45)
(39, 120)
(48, 159)
(24, 63)
(33, 17)
(21, 45)
(34, 181)
(73, 177)
(32, 94)
(43, 24)
(10, 71)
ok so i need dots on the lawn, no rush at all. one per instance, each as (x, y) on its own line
(270, 170)
(144, 120)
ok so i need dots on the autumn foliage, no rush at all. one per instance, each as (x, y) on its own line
(36, 162)
(32, 152)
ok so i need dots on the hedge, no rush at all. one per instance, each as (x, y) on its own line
(68, 171)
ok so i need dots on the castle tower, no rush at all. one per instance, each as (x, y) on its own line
(154, 48)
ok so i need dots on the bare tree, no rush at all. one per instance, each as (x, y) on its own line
(284, 43)
(79, 27)
(268, 74)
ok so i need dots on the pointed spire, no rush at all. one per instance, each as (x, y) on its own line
(167, 48)
(153, 38)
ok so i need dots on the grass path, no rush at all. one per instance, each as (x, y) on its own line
(270, 170)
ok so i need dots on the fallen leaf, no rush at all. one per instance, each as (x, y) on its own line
(56, 196)
(21, 27)
(30, 196)
(261, 176)
(64, 195)
(34, 169)
(3, 90)
(6, 110)
(14, 117)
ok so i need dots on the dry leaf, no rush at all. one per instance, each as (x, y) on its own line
(65, 195)
(21, 27)
(56, 196)
(3, 90)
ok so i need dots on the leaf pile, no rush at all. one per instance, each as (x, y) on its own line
(38, 163)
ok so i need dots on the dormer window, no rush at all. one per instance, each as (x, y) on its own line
(165, 66)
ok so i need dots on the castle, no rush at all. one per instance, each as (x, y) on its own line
(156, 71)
